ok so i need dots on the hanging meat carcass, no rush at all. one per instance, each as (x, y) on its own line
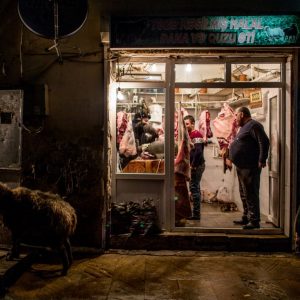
(121, 125)
(225, 129)
(223, 125)
(182, 161)
(127, 145)
(176, 121)
(182, 173)
(204, 125)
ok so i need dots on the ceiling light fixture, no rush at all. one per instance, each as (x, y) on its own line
(188, 68)
(120, 95)
(154, 68)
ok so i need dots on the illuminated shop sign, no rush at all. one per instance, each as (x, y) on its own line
(241, 31)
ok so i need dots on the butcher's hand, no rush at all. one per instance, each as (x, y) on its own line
(261, 165)
(228, 163)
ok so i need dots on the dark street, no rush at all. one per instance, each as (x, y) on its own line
(165, 275)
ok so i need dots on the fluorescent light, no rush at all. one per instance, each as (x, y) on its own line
(153, 68)
(120, 95)
(188, 68)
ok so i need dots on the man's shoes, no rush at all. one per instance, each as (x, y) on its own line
(243, 221)
(251, 225)
(194, 218)
(180, 223)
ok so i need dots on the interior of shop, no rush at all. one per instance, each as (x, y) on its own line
(199, 90)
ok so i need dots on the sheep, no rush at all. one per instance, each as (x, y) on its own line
(40, 219)
(274, 33)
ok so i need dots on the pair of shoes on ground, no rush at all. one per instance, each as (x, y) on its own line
(180, 223)
(247, 224)
(194, 218)
(252, 225)
(243, 221)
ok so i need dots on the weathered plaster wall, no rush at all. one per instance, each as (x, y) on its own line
(66, 155)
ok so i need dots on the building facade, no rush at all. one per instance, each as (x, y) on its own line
(165, 58)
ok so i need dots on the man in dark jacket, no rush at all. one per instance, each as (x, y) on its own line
(249, 152)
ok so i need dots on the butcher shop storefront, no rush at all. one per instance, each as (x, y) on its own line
(163, 69)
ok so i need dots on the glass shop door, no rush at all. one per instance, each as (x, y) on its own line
(210, 91)
(274, 179)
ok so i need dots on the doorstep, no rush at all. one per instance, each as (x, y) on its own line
(202, 242)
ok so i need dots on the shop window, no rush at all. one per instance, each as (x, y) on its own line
(140, 130)
(199, 72)
(256, 72)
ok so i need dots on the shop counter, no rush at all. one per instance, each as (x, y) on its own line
(145, 166)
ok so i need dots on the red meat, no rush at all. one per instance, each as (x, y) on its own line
(204, 125)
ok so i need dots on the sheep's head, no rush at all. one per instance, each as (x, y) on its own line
(5, 195)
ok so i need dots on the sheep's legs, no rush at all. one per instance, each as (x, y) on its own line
(64, 251)
(15, 250)
(66, 256)
(69, 251)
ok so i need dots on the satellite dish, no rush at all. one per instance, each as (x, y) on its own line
(53, 19)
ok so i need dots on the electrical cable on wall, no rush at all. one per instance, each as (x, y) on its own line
(20, 51)
(56, 32)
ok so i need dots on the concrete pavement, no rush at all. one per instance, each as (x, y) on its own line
(165, 275)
